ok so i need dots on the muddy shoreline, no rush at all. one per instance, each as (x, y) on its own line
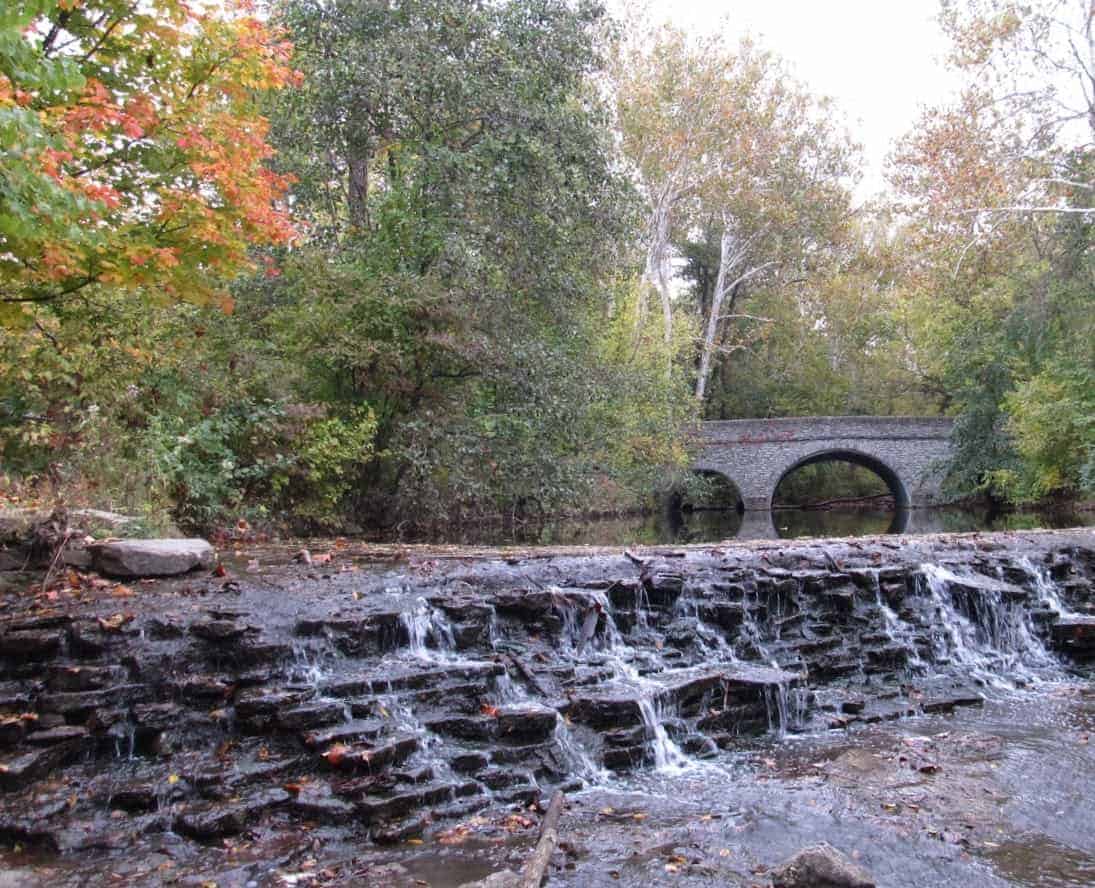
(393, 713)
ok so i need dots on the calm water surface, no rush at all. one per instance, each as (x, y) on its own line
(703, 526)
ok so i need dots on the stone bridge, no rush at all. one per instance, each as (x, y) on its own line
(756, 454)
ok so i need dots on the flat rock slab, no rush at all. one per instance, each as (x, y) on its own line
(151, 558)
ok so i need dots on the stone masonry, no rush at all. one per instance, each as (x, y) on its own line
(907, 452)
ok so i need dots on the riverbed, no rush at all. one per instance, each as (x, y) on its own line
(394, 715)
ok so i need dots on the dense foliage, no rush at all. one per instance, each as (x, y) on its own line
(355, 264)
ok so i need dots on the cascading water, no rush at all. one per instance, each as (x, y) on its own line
(399, 708)
(577, 758)
(893, 627)
(507, 691)
(308, 666)
(785, 708)
(989, 636)
(1044, 587)
(667, 755)
(427, 626)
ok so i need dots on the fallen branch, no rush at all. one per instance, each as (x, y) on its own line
(532, 876)
(842, 500)
(56, 558)
(529, 675)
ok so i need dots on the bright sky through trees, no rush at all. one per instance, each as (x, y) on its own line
(879, 59)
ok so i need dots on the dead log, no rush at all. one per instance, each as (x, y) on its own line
(536, 869)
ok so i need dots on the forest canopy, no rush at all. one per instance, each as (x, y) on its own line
(351, 264)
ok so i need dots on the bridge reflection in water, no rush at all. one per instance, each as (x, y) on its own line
(785, 523)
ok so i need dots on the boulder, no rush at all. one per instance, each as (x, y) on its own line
(151, 558)
(821, 866)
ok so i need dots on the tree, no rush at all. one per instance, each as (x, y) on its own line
(135, 153)
(468, 227)
(995, 192)
(744, 175)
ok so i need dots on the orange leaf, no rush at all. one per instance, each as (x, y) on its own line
(336, 754)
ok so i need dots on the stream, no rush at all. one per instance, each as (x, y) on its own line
(392, 715)
(711, 525)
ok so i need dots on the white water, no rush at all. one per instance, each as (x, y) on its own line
(1044, 586)
(308, 667)
(579, 762)
(893, 625)
(622, 661)
(979, 629)
(667, 755)
(996, 637)
(507, 691)
(429, 633)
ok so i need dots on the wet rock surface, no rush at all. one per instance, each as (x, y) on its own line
(821, 866)
(295, 716)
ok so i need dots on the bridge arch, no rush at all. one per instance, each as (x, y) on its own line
(728, 498)
(888, 475)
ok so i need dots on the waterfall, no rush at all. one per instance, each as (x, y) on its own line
(667, 755)
(427, 626)
(989, 636)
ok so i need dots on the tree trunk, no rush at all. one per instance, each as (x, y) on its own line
(358, 192)
(657, 259)
(536, 868)
(726, 263)
(717, 295)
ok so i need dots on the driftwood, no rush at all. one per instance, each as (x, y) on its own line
(536, 868)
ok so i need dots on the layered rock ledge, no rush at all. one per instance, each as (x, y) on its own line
(370, 703)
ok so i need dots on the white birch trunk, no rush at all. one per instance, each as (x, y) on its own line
(713, 318)
(727, 262)
(656, 272)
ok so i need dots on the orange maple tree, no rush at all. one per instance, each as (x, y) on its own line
(137, 153)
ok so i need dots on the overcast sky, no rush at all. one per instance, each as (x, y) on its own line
(879, 59)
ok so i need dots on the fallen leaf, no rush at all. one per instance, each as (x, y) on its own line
(114, 623)
(336, 754)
